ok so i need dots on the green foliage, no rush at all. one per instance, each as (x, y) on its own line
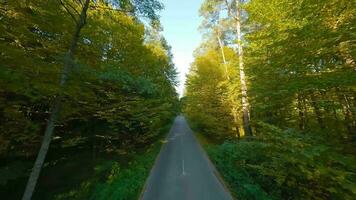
(119, 180)
(208, 99)
(299, 64)
(306, 46)
(108, 84)
(126, 184)
(120, 87)
(284, 164)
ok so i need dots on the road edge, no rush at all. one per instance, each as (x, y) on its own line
(155, 162)
(212, 166)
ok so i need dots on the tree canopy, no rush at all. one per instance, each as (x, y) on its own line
(120, 83)
(299, 61)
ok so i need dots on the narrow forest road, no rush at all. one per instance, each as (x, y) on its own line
(182, 170)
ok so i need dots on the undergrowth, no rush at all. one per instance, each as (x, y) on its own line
(285, 164)
(118, 181)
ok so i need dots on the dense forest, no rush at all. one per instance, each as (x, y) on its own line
(94, 78)
(88, 93)
(272, 91)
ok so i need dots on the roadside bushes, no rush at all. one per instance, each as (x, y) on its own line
(284, 164)
(120, 180)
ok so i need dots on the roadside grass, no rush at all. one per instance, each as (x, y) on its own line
(283, 164)
(119, 181)
(127, 183)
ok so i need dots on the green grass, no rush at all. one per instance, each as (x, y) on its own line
(113, 180)
(127, 183)
(117, 180)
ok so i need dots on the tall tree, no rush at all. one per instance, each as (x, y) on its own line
(244, 97)
(300, 62)
(211, 10)
(78, 11)
(80, 22)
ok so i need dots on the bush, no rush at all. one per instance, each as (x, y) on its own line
(284, 164)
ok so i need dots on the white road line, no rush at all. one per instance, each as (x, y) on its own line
(183, 166)
(183, 173)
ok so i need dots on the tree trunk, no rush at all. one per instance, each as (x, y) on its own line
(36, 170)
(301, 111)
(349, 123)
(236, 122)
(349, 120)
(317, 111)
(244, 99)
(223, 54)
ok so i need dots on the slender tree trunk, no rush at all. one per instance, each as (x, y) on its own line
(223, 55)
(94, 149)
(236, 122)
(349, 120)
(301, 111)
(349, 123)
(36, 170)
(317, 111)
(244, 99)
(234, 113)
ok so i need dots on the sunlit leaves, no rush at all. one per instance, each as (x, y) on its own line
(115, 77)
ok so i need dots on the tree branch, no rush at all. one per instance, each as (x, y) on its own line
(108, 8)
(228, 7)
(80, 2)
(75, 10)
(69, 12)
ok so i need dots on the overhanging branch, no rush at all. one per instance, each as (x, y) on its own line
(69, 12)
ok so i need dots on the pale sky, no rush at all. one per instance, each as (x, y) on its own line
(180, 20)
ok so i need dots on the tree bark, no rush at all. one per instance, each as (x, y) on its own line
(301, 111)
(244, 99)
(67, 65)
(222, 54)
(317, 111)
(349, 122)
(236, 122)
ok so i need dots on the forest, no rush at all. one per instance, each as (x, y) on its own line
(271, 93)
(88, 93)
(100, 73)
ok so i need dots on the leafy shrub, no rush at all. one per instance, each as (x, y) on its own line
(126, 184)
(284, 164)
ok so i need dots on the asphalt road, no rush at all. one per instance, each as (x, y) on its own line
(182, 170)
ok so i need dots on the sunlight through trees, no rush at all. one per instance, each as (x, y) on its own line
(299, 63)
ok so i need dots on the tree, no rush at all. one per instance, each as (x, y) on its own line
(301, 87)
(315, 70)
(147, 8)
(212, 10)
(80, 23)
(117, 97)
(244, 98)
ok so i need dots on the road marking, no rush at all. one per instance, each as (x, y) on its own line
(176, 135)
(183, 173)
(183, 166)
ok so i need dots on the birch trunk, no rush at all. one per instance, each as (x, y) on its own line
(36, 170)
(244, 99)
(223, 55)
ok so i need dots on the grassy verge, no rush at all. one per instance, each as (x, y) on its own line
(127, 183)
(283, 164)
(116, 180)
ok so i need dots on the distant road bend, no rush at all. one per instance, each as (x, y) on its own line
(182, 170)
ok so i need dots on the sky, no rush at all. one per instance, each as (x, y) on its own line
(180, 20)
